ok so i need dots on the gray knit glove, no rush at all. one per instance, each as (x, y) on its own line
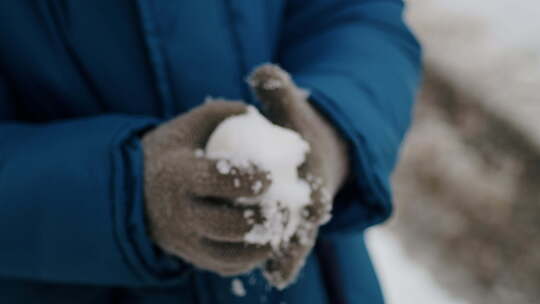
(326, 165)
(189, 201)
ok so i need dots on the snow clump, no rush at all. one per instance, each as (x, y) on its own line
(250, 138)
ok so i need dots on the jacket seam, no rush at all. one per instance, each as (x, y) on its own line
(156, 58)
(240, 49)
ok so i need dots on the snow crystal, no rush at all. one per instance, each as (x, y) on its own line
(252, 139)
(256, 187)
(246, 200)
(249, 216)
(315, 182)
(238, 288)
(249, 213)
(223, 166)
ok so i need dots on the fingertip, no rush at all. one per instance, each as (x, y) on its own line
(269, 77)
(277, 92)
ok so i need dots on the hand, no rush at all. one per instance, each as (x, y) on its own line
(189, 201)
(326, 165)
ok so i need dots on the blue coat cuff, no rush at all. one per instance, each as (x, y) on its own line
(363, 201)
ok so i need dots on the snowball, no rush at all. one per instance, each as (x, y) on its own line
(237, 288)
(251, 138)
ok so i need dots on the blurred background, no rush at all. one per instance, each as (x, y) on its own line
(467, 222)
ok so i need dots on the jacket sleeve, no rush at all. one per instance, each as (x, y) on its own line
(362, 66)
(71, 202)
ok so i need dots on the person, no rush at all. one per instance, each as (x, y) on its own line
(102, 199)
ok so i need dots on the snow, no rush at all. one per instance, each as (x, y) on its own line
(249, 213)
(403, 280)
(238, 288)
(504, 24)
(250, 138)
(199, 153)
(488, 51)
(223, 166)
(257, 186)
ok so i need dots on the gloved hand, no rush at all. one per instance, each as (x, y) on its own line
(189, 202)
(326, 165)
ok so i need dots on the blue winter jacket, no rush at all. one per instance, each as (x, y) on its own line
(80, 81)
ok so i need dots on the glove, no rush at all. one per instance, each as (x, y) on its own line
(326, 165)
(189, 202)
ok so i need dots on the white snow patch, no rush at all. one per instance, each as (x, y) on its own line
(402, 279)
(256, 187)
(237, 288)
(249, 213)
(250, 138)
(223, 166)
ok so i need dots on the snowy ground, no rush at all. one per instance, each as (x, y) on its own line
(402, 279)
(504, 23)
(491, 49)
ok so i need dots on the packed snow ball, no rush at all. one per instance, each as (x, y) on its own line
(250, 138)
